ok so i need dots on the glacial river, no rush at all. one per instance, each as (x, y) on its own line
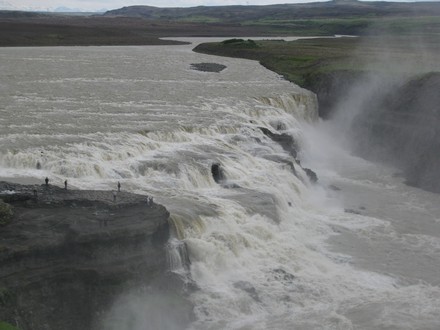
(268, 249)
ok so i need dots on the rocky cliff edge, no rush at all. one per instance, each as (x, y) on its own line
(65, 254)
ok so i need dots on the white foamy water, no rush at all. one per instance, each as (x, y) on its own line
(268, 250)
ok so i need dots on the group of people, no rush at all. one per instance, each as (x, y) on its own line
(102, 221)
(47, 182)
(149, 198)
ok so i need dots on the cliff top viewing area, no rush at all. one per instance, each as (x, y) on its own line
(87, 245)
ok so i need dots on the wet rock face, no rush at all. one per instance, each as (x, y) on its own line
(66, 254)
(285, 140)
(311, 175)
(5, 213)
(288, 143)
(217, 173)
(331, 87)
(208, 67)
(403, 128)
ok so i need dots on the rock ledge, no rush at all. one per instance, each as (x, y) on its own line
(66, 254)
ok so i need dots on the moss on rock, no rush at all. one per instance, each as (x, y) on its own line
(7, 326)
(5, 213)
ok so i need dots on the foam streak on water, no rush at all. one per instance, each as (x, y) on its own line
(258, 244)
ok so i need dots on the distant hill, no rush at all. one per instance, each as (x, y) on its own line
(145, 25)
(20, 14)
(236, 14)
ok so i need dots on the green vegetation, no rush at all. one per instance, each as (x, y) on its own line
(200, 19)
(294, 60)
(7, 326)
(302, 60)
(351, 25)
(5, 213)
(240, 43)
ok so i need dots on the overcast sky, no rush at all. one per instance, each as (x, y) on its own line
(97, 5)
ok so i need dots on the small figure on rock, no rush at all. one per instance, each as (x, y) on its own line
(65, 184)
(119, 186)
(47, 181)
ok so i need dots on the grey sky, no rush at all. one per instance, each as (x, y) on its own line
(96, 5)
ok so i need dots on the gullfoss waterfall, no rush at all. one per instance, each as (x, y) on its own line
(250, 231)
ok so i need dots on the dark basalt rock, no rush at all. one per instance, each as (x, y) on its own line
(311, 174)
(402, 127)
(208, 67)
(331, 87)
(288, 143)
(285, 140)
(217, 173)
(282, 275)
(66, 254)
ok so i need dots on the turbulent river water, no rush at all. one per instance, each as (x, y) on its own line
(268, 249)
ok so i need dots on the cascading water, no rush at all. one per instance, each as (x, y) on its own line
(255, 244)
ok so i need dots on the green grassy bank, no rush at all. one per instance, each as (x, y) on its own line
(298, 61)
(6, 326)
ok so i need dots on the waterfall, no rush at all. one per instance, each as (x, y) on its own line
(248, 228)
(177, 256)
(303, 105)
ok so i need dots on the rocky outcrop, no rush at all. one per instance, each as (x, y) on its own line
(311, 175)
(5, 213)
(403, 127)
(331, 88)
(217, 173)
(66, 254)
(208, 67)
(285, 140)
(399, 125)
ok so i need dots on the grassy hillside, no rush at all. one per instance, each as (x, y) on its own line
(320, 18)
(321, 10)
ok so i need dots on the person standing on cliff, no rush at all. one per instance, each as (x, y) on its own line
(47, 181)
(65, 184)
(119, 186)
